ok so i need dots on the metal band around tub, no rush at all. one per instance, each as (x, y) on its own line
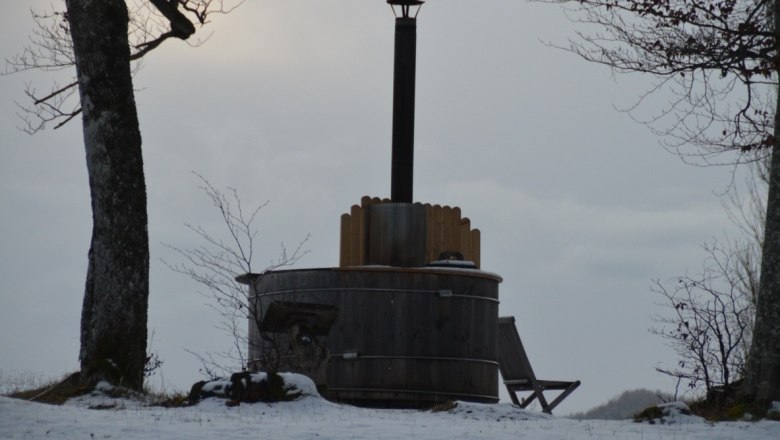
(444, 293)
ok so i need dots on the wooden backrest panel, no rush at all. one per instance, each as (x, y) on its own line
(513, 361)
(446, 231)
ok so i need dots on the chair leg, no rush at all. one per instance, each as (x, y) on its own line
(513, 396)
(563, 395)
(528, 400)
(538, 393)
(542, 400)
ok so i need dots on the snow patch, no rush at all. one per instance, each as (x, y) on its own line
(256, 387)
(104, 386)
(678, 412)
(301, 383)
(314, 418)
(495, 412)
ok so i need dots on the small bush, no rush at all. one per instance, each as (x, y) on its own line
(650, 415)
(727, 411)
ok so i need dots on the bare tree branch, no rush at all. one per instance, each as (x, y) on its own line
(217, 263)
(716, 57)
(709, 321)
(152, 22)
(710, 316)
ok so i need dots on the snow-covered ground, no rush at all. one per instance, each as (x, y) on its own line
(312, 417)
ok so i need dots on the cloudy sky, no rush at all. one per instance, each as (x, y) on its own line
(290, 102)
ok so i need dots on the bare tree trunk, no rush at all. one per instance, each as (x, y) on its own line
(762, 377)
(114, 314)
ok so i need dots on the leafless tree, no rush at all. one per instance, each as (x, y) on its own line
(102, 39)
(719, 60)
(217, 264)
(710, 320)
(712, 313)
(746, 208)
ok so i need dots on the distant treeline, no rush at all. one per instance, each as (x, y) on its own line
(625, 406)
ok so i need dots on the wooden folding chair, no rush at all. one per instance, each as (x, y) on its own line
(518, 374)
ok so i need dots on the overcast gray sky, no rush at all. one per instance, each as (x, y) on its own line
(290, 101)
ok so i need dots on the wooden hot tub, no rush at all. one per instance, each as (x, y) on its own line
(403, 337)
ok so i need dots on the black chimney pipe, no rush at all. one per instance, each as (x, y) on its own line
(402, 173)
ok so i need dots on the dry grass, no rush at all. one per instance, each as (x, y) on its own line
(55, 392)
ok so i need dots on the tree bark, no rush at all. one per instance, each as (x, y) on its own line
(114, 314)
(762, 376)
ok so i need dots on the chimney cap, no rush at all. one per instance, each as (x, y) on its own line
(406, 8)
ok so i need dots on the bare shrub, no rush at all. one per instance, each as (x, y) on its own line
(217, 263)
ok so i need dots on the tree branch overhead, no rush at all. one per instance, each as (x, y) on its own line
(151, 22)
